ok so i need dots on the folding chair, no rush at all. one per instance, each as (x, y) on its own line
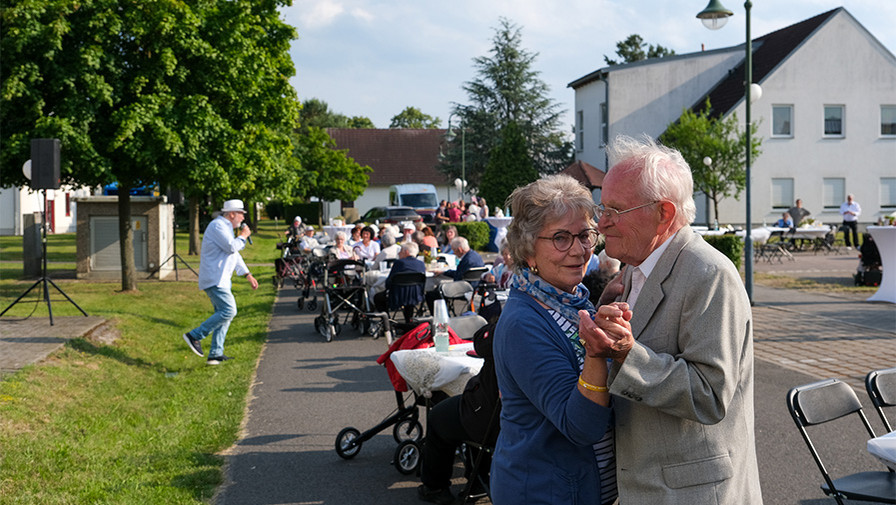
(413, 308)
(466, 326)
(825, 401)
(455, 291)
(881, 387)
(474, 275)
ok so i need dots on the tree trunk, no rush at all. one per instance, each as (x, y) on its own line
(194, 226)
(126, 239)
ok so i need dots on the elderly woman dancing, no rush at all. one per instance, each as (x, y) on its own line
(556, 442)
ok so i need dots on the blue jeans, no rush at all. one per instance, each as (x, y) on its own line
(225, 310)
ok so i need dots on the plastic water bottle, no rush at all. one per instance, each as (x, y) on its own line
(440, 326)
(715, 224)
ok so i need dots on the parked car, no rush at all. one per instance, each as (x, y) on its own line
(390, 214)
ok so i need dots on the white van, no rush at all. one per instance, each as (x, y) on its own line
(423, 198)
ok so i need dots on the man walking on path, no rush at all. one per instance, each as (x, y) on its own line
(220, 257)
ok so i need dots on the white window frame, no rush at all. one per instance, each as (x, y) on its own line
(888, 193)
(833, 192)
(892, 110)
(782, 193)
(580, 131)
(842, 132)
(789, 134)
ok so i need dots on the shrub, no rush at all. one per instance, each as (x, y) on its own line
(476, 233)
(730, 245)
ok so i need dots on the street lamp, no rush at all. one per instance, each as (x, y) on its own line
(714, 16)
(463, 154)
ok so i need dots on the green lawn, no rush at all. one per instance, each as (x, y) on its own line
(140, 420)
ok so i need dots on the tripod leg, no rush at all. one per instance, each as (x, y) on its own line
(66, 297)
(47, 299)
(23, 295)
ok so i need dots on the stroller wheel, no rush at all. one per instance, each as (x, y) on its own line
(408, 429)
(407, 457)
(300, 302)
(372, 328)
(320, 325)
(332, 329)
(312, 305)
(346, 445)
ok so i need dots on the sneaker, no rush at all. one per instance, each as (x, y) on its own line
(194, 343)
(437, 496)
(217, 360)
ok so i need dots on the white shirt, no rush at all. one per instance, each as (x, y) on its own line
(846, 206)
(220, 255)
(367, 252)
(387, 253)
(650, 262)
(308, 243)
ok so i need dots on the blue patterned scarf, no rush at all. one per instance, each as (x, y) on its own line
(568, 304)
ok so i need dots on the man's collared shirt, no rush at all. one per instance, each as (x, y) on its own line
(220, 255)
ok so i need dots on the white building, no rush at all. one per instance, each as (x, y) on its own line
(827, 115)
(18, 202)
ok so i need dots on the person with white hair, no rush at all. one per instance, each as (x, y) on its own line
(340, 249)
(220, 257)
(389, 250)
(308, 241)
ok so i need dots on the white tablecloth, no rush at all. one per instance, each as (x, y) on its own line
(884, 449)
(426, 370)
(885, 238)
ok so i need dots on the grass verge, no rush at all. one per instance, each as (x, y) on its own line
(141, 419)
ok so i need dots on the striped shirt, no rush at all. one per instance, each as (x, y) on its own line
(604, 450)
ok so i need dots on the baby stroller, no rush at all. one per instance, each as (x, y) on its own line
(870, 269)
(343, 288)
(405, 419)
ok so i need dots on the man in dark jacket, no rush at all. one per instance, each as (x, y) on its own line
(470, 416)
(395, 297)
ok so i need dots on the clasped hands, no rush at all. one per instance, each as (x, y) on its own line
(609, 333)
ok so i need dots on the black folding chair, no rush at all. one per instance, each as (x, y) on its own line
(474, 275)
(881, 387)
(824, 401)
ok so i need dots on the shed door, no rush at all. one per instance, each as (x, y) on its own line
(104, 245)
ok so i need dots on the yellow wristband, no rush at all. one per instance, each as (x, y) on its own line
(592, 387)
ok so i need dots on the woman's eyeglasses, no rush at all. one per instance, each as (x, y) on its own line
(563, 240)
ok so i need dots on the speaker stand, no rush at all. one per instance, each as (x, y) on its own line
(174, 257)
(44, 280)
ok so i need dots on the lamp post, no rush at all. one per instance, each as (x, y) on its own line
(463, 154)
(714, 16)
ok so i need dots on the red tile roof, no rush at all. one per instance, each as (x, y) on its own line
(397, 156)
(589, 175)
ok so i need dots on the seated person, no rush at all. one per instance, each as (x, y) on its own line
(340, 249)
(450, 234)
(366, 248)
(429, 239)
(468, 259)
(785, 221)
(295, 229)
(396, 297)
(308, 241)
(356, 235)
(457, 419)
(389, 250)
(501, 273)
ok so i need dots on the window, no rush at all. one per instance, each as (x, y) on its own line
(782, 193)
(604, 124)
(833, 121)
(833, 193)
(888, 120)
(888, 192)
(580, 134)
(782, 121)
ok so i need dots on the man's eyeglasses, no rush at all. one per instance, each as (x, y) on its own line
(563, 240)
(601, 211)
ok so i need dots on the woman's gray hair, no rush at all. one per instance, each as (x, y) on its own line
(411, 248)
(387, 239)
(536, 205)
(341, 234)
(661, 173)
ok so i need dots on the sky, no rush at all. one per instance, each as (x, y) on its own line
(374, 58)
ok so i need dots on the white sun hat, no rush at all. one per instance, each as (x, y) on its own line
(233, 206)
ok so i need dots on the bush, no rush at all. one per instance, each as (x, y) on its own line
(476, 233)
(730, 245)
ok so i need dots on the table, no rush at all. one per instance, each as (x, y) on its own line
(884, 449)
(331, 230)
(885, 238)
(426, 370)
(375, 280)
(757, 235)
(500, 225)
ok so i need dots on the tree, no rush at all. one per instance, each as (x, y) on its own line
(508, 167)
(330, 174)
(412, 117)
(701, 134)
(506, 89)
(632, 49)
(185, 94)
(316, 112)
